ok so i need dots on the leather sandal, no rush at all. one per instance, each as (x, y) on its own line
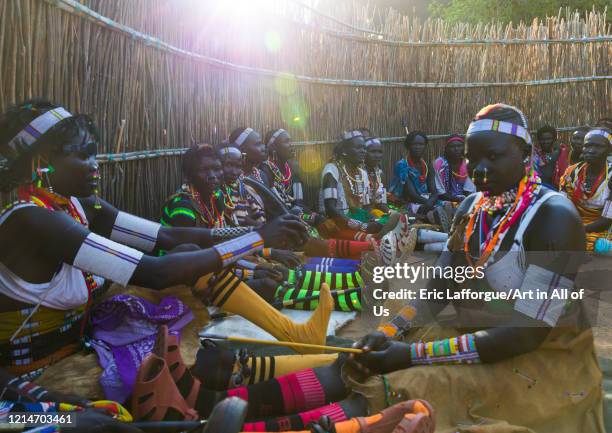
(415, 423)
(155, 396)
(167, 348)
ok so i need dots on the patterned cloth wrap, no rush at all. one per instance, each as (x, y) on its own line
(124, 329)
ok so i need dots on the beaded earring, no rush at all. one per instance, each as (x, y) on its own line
(485, 179)
(96, 191)
(42, 172)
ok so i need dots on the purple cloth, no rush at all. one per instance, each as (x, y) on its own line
(123, 334)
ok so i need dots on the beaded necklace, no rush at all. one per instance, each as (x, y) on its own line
(376, 173)
(424, 170)
(210, 214)
(279, 178)
(582, 191)
(256, 174)
(356, 184)
(50, 200)
(525, 195)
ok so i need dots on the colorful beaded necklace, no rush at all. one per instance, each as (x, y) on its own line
(50, 200)
(582, 191)
(424, 170)
(493, 236)
(210, 214)
(356, 184)
(279, 178)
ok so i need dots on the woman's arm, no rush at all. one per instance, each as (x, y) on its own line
(411, 195)
(61, 239)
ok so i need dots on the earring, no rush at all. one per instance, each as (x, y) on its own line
(485, 179)
(40, 172)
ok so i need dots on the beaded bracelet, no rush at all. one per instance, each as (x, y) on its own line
(23, 390)
(233, 250)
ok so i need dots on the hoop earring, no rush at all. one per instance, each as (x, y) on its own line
(485, 178)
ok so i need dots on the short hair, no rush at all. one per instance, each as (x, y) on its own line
(193, 156)
(544, 129)
(412, 135)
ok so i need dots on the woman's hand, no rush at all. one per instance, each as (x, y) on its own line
(374, 227)
(380, 355)
(284, 231)
(267, 272)
(286, 257)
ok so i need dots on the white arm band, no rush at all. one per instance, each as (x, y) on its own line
(135, 231)
(298, 191)
(330, 193)
(607, 209)
(108, 259)
(232, 251)
(553, 290)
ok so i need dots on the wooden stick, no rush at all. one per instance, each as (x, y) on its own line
(281, 343)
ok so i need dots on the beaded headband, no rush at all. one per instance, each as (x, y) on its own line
(230, 151)
(600, 132)
(372, 140)
(347, 135)
(275, 136)
(500, 126)
(37, 127)
(243, 136)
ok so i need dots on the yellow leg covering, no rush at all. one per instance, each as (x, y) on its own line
(267, 367)
(226, 291)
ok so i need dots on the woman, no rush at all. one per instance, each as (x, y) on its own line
(414, 183)
(552, 159)
(452, 179)
(248, 141)
(588, 184)
(64, 237)
(576, 143)
(536, 352)
(280, 168)
(345, 188)
(201, 202)
(373, 160)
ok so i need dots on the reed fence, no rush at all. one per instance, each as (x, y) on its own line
(160, 75)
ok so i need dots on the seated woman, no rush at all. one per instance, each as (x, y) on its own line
(200, 202)
(378, 192)
(576, 143)
(551, 158)
(536, 351)
(63, 237)
(299, 282)
(451, 175)
(588, 185)
(414, 184)
(345, 190)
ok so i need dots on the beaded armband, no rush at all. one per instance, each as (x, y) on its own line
(246, 264)
(19, 390)
(232, 251)
(226, 233)
(456, 350)
(330, 193)
(400, 323)
(607, 209)
(298, 191)
(135, 231)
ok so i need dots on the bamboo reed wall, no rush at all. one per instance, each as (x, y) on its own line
(146, 98)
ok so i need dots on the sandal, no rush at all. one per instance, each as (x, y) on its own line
(155, 396)
(416, 423)
(167, 348)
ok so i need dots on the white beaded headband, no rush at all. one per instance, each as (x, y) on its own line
(347, 135)
(275, 136)
(372, 140)
(230, 151)
(600, 132)
(500, 126)
(243, 136)
(37, 127)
